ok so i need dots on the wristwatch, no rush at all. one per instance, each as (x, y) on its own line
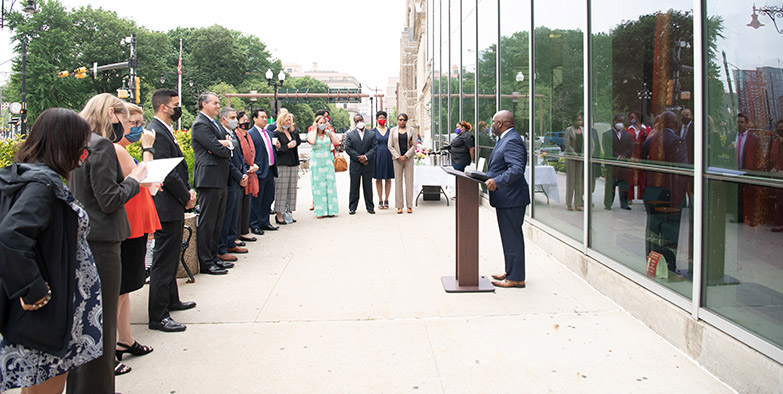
(150, 150)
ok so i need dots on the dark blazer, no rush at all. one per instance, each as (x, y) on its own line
(38, 231)
(174, 194)
(237, 162)
(751, 147)
(100, 186)
(507, 168)
(619, 147)
(262, 156)
(689, 141)
(211, 158)
(355, 147)
(288, 156)
(667, 147)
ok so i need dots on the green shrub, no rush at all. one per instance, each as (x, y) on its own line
(8, 148)
(183, 138)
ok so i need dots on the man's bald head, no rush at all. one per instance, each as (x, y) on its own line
(502, 121)
(669, 120)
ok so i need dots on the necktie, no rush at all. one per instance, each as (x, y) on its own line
(268, 144)
(740, 150)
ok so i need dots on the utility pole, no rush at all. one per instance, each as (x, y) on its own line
(23, 114)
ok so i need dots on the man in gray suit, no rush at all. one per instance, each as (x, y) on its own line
(360, 144)
(212, 151)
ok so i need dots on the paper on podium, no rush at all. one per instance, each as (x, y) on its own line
(158, 169)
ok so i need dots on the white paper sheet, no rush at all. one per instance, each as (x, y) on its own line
(158, 169)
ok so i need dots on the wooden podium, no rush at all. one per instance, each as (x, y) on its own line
(466, 279)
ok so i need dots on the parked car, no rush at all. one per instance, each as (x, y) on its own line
(555, 138)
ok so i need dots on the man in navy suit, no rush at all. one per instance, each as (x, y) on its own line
(211, 154)
(237, 179)
(509, 194)
(266, 173)
(360, 145)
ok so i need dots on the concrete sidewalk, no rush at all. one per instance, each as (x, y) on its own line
(355, 304)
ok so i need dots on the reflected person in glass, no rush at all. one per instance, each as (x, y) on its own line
(776, 169)
(573, 143)
(463, 148)
(617, 145)
(638, 132)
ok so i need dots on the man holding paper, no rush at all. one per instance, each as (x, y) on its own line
(171, 201)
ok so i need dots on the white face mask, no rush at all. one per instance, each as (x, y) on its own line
(232, 124)
(360, 125)
(618, 126)
(322, 126)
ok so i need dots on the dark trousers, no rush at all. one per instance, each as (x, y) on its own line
(163, 273)
(244, 215)
(611, 183)
(361, 174)
(663, 224)
(262, 203)
(510, 225)
(229, 233)
(97, 376)
(212, 202)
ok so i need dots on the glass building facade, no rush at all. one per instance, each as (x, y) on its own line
(655, 138)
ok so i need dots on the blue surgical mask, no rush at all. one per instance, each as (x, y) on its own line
(135, 134)
(457, 130)
(633, 121)
(285, 127)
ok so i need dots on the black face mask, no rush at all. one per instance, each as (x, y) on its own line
(244, 126)
(177, 114)
(118, 131)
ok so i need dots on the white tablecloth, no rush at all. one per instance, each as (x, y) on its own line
(545, 181)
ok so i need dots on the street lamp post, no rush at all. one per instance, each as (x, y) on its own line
(644, 95)
(275, 84)
(519, 78)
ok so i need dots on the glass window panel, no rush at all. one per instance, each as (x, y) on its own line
(487, 44)
(435, 105)
(455, 76)
(559, 104)
(744, 214)
(642, 66)
(468, 61)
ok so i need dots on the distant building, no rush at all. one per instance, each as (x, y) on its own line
(332, 79)
(414, 92)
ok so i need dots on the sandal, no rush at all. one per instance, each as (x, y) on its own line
(386, 204)
(136, 349)
(120, 368)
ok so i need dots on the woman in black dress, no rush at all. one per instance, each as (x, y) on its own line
(384, 164)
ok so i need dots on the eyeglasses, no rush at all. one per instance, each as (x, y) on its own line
(402, 120)
(140, 123)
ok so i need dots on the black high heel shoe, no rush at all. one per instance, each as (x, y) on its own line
(136, 349)
(279, 222)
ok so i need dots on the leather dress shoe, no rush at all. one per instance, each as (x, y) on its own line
(352, 212)
(167, 325)
(213, 270)
(371, 212)
(239, 243)
(226, 257)
(224, 264)
(247, 238)
(236, 249)
(271, 227)
(499, 277)
(182, 305)
(257, 231)
(509, 283)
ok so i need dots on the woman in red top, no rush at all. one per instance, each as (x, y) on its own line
(249, 153)
(143, 220)
(639, 132)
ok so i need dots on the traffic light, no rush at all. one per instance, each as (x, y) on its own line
(80, 73)
(63, 74)
(670, 92)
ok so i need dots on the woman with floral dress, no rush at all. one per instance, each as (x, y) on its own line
(322, 175)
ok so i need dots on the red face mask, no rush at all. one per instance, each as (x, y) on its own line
(382, 122)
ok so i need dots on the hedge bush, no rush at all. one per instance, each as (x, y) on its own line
(8, 148)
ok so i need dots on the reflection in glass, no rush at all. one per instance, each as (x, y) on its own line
(744, 187)
(468, 61)
(487, 39)
(559, 103)
(642, 64)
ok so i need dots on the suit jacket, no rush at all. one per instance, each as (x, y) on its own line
(619, 147)
(752, 151)
(237, 162)
(211, 158)
(100, 186)
(688, 141)
(507, 168)
(666, 147)
(394, 144)
(355, 147)
(174, 194)
(262, 156)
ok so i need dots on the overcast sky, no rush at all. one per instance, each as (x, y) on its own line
(358, 37)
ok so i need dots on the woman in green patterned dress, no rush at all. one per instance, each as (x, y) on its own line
(322, 168)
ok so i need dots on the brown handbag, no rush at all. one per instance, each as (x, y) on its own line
(340, 164)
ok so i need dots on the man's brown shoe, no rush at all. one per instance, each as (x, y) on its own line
(236, 249)
(499, 277)
(227, 257)
(509, 283)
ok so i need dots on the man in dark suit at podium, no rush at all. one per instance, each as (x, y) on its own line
(508, 193)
